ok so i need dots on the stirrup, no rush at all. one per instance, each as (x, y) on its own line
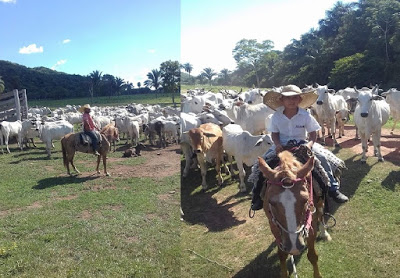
(252, 212)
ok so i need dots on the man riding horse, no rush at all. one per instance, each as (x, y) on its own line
(89, 127)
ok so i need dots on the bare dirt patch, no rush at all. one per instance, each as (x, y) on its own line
(159, 163)
(390, 144)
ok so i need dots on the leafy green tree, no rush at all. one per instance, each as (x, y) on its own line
(95, 78)
(170, 73)
(139, 84)
(109, 83)
(208, 73)
(251, 52)
(224, 75)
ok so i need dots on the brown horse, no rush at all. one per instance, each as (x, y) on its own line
(289, 206)
(70, 144)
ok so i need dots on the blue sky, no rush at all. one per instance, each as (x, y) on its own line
(210, 29)
(125, 38)
(129, 38)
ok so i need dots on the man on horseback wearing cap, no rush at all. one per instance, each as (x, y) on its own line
(290, 125)
(89, 127)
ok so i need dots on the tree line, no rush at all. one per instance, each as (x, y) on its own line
(356, 44)
(44, 83)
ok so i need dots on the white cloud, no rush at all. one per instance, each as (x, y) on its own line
(59, 63)
(9, 1)
(152, 51)
(32, 48)
(66, 41)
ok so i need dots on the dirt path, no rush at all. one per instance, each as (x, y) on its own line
(159, 163)
(390, 144)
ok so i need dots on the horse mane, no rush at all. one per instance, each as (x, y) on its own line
(289, 165)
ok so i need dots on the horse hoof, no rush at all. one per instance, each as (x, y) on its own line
(337, 145)
(381, 159)
(363, 161)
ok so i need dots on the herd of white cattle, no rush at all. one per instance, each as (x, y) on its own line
(237, 123)
(132, 121)
(210, 124)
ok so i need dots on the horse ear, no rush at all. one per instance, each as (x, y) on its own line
(307, 167)
(265, 169)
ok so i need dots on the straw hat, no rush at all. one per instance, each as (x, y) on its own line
(273, 98)
(82, 108)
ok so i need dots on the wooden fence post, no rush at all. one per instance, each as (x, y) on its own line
(17, 105)
(25, 103)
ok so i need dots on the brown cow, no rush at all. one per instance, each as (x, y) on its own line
(111, 133)
(206, 141)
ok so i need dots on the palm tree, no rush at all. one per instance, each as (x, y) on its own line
(2, 86)
(154, 79)
(95, 78)
(188, 68)
(224, 74)
(119, 85)
(209, 73)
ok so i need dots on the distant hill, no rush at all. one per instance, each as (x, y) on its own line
(42, 82)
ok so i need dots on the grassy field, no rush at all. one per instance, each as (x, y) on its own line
(162, 99)
(220, 240)
(89, 225)
(54, 225)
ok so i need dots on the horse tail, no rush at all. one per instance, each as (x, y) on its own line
(64, 151)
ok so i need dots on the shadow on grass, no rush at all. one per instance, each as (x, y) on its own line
(57, 181)
(264, 265)
(391, 180)
(200, 208)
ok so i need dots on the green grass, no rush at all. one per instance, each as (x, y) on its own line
(220, 240)
(162, 99)
(53, 225)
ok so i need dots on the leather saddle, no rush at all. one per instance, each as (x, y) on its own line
(85, 139)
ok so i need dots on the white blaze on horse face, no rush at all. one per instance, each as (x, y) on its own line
(288, 200)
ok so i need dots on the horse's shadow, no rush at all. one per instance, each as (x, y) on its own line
(201, 208)
(266, 264)
(57, 181)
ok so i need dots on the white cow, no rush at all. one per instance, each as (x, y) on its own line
(326, 110)
(10, 129)
(371, 113)
(54, 131)
(250, 117)
(342, 113)
(30, 130)
(393, 98)
(244, 147)
(133, 131)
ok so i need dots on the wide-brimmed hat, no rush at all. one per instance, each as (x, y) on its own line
(82, 108)
(273, 98)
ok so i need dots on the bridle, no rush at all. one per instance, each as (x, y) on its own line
(310, 209)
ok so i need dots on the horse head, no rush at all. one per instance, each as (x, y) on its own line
(288, 204)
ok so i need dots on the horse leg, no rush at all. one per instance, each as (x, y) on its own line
(71, 160)
(105, 165)
(282, 259)
(312, 254)
(98, 163)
